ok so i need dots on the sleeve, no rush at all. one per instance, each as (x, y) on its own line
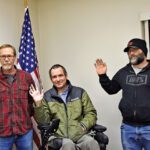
(30, 99)
(110, 86)
(42, 113)
(89, 112)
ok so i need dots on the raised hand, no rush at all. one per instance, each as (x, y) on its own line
(36, 94)
(101, 67)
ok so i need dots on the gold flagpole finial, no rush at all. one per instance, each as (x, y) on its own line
(25, 3)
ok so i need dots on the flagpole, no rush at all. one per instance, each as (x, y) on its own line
(27, 48)
(40, 81)
(26, 3)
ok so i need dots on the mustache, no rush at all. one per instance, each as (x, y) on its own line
(7, 63)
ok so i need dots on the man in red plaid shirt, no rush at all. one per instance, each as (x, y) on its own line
(15, 103)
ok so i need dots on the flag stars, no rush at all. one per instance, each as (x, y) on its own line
(32, 65)
(27, 56)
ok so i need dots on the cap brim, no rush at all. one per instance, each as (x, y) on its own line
(126, 49)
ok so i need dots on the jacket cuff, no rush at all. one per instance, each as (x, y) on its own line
(102, 75)
(83, 125)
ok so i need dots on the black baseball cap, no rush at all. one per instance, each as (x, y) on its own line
(137, 43)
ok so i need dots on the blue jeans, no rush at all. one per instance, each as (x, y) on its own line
(22, 142)
(135, 137)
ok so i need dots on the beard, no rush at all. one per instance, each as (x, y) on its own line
(136, 60)
(6, 67)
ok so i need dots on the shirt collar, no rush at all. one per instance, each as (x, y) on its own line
(2, 75)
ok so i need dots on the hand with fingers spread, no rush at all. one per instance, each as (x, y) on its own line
(101, 67)
(36, 94)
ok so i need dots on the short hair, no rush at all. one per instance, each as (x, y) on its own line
(57, 66)
(8, 46)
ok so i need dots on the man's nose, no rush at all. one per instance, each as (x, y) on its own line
(58, 78)
(6, 59)
(131, 52)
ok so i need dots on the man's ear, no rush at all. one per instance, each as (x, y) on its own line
(67, 77)
(16, 61)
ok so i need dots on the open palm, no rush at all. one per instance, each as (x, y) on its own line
(100, 66)
(36, 94)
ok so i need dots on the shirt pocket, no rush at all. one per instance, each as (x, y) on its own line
(22, 92)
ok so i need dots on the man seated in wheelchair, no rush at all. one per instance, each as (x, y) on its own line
(72, 106)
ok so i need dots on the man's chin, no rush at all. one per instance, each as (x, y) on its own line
(133, 62)
(137, 60)
(59, 87)
(6, 68)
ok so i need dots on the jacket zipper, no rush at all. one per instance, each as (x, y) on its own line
(66, 119)
(135, 112)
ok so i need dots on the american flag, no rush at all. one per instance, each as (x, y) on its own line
(27, 61)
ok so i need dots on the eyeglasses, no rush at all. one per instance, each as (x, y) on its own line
(6, 56)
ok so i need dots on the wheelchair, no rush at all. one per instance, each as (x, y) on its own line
(97, 132)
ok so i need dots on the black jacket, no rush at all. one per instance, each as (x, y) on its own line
(135, 101)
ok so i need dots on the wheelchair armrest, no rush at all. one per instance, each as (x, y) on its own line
(99, 128)
(99, 136)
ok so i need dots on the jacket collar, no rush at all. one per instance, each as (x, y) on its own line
(54, 89)
(145, 68)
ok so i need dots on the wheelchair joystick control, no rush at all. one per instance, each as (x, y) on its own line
(47, 131)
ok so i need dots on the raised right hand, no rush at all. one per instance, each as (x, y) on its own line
(101, 67)
(36, 94)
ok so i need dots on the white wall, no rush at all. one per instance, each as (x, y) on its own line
(10, 15)
(11, 20)
(76, 32)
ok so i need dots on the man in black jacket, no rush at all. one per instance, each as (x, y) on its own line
(134, 80)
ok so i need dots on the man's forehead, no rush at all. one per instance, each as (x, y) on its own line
(57, 71)
(6, 50)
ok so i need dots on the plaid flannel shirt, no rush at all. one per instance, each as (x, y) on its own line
(15, 104)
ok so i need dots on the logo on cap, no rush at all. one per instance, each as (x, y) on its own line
(130, 43)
